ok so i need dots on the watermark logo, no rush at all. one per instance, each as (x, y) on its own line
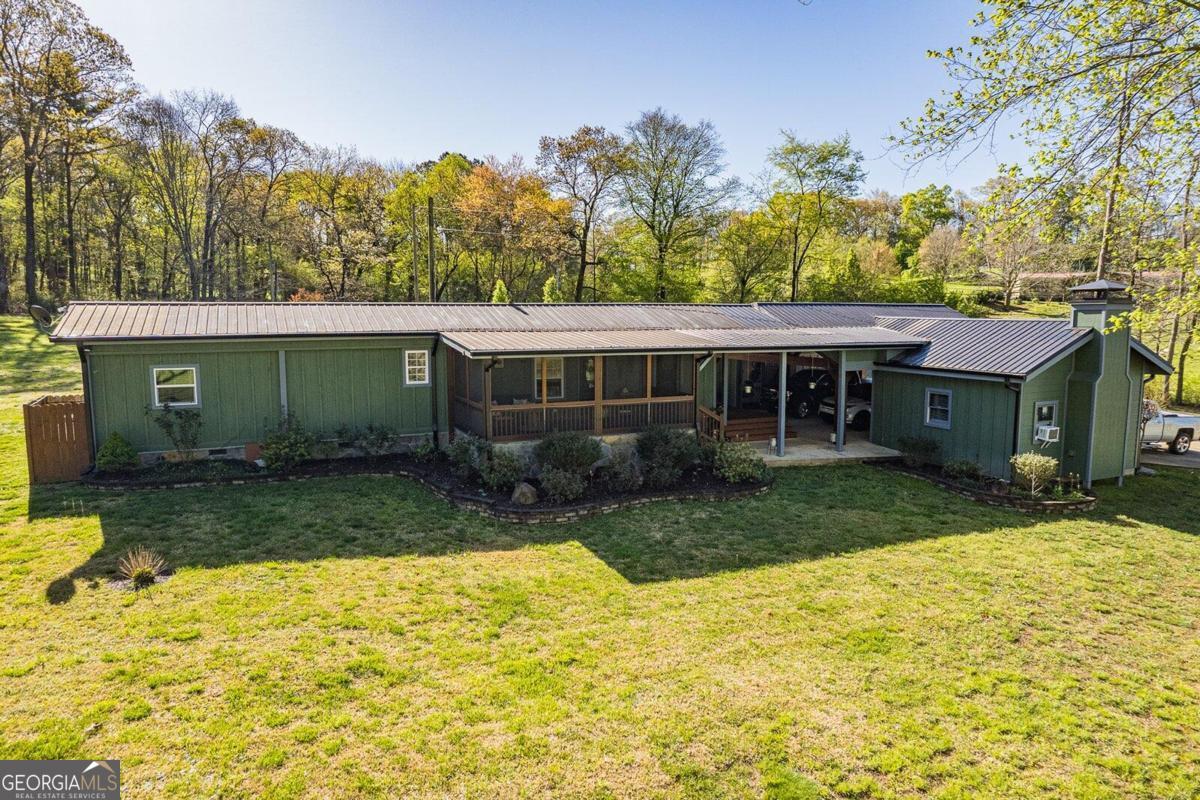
(60, 780)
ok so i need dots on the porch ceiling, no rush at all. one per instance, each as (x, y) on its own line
(477, 344)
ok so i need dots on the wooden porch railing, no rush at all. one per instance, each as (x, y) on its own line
(510, 423)
(709, 425)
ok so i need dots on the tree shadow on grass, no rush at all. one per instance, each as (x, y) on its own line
(810, 513)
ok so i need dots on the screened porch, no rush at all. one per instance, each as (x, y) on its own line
(513, 398)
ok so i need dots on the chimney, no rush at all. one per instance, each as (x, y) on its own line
(1093, 304)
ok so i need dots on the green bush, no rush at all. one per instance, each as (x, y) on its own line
(665, 453)
(736, 462)
(961, 469)
(562, 486)
(377, 440)
(569, 451)
(501, 471)
(467, 453)
(425, 451)
(116, 455)
(918, 451)
(1034, 471)
(287, 445)
(180, 425)
(620, 474)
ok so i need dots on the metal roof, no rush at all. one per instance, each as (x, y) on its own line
(512, 343)
(113, 321)
(1007, 347)
(1157, 361)
(850, 315)
(1101, 285)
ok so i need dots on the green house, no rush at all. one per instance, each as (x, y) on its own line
(983, 389)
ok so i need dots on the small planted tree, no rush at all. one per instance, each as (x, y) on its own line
(1034, 471)
(181, 426)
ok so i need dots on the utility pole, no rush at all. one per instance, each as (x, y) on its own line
(432, 271)
(414, 292)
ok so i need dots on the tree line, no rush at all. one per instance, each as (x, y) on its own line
(106, 192)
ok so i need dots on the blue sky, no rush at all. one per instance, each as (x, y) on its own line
(407, 81)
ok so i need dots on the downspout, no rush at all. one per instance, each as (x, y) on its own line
(433, 384)
(1015, 387)
(86, 364)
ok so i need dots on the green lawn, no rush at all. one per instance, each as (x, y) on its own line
(854, 633)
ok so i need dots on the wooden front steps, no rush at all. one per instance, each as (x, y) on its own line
(755, 429)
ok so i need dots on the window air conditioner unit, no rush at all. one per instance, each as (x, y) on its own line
(1048, 433)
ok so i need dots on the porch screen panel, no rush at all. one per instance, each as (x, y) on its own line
(624, 377)
(672, 375)
(513, 381)
(476, 370)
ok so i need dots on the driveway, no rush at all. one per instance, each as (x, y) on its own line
(1162, 457)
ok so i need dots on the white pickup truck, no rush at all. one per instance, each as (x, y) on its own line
(1171, 428)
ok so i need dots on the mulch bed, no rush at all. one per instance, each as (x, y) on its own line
(437, 476)
(997, 495)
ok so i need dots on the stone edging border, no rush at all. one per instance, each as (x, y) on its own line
(472, 502)
(1002, 501)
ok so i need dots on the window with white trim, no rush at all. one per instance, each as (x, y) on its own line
(937, 408)
(1045, 412)
(175, 386)
(554, 378)
(416, 367)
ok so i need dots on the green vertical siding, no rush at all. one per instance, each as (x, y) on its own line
(981, 416)
(239, 390)
(1049, 386)
(331, 384)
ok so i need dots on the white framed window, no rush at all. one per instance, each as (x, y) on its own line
(554, 378)
(178, 387)
(1045, 412)
(937, 408)
(416, 367)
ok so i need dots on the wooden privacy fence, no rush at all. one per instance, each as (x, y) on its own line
(57, 440)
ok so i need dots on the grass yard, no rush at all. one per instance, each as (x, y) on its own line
(855, 633)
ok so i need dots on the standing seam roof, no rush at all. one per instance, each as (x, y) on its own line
(1009, 347)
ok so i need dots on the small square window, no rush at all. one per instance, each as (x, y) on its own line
(1045, 413)
(175, 386)
(937, 408)
(416, 367)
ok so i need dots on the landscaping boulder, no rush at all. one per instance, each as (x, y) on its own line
(524, 494)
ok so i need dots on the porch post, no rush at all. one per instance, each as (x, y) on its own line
(545, 394)
(598, 378)
(841, 402)
(781, 421)
(487, 399)
(724, 392)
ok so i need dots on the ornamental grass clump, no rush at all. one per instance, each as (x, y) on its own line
(141, 567)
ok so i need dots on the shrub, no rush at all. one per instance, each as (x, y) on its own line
(377, 440)
(918, 451)
(961, 469)
(180, 425)
(287, 445)
(562, 486)
(467, 454)
(736, 462)
(665, 454)
(116, 455)
(501, 471)
(425, 451)
(621, 474)
(569, 451)
(141, 567)
(1034, 471)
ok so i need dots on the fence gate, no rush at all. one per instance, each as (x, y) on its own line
(57, 441)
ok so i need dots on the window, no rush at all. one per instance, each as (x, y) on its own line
(937, 408)
(554, 378)
(1045, 412)
(416, 367)
(175, 386)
